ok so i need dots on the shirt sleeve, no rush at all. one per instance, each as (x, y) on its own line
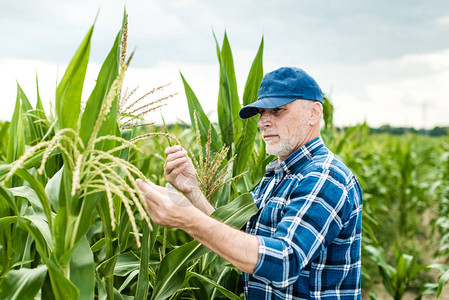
(312, 219)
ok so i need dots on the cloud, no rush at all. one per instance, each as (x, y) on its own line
(203, 79)
(442, 21)
(408, 91)
(24, 73)
(369, 56)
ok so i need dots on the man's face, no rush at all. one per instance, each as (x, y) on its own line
(285, 129)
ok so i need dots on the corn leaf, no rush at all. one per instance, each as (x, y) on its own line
(108, 73)
(228, 104)
(41, 224)
(261, 161)
(28, 193)
(16, 139)
(228, 62)
(62, 287)
(124, 229)
(39, 239)
(52, 189)
(444, 279)
(82, 224)
(143, 281)
(222, 274)
(40, 113)
(128, 280)
(254, 77)
(223, 290)
(4, 138)
(245, 144)
(61, 221)
(69, 90)
(22, 284)
(203, 121)
(106, 268)
(126, 263)
(5, 221)
(31, 132)
(200, 291)
(7, 198)
(40, 192)
(73, 218)
(82, 271)
(106, 77)
(173, 267)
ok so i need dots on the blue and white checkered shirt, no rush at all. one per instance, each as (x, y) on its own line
(309, 229)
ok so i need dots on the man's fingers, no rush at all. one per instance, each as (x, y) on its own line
(143, 186)
(174, 163)
(172, 149)
(150, 188)
(182, 154)
(172, 173)
(160, 189)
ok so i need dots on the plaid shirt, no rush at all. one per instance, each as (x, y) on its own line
(309, 229)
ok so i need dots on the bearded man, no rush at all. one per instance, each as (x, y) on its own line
(305, 240)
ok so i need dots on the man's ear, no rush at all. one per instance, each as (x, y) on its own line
(316, 112)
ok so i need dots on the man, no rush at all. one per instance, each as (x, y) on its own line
(304, 242)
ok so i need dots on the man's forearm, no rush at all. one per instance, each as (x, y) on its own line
(200, 201)
(237, 247)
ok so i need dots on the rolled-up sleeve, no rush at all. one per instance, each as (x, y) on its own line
(312, 218)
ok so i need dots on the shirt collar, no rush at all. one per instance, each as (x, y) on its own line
(297, 158)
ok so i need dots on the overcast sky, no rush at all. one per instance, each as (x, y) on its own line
(386, 62)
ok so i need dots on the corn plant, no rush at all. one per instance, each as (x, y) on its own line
(441, 224)
(241, 136)
(68, 198)
(4, 136)
(87, 146)
(396, 278)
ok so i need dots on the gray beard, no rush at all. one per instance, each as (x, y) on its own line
(284, 147)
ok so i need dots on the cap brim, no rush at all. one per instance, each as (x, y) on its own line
(253, 109)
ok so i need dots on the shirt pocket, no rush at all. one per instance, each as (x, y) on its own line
(271, 215)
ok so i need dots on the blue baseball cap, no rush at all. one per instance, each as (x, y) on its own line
(281, 87)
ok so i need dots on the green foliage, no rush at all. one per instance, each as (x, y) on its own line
(396, 278)
(405, 196)
(4, 137)
(240, 135)
(174, 265)
(30, 280)
(69, 90)
(64, 190)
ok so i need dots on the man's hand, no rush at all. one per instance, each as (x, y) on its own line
(180, 173)
(171, 209)
(165, 206)
(179, 170)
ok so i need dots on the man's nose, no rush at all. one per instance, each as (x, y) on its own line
(264, 121)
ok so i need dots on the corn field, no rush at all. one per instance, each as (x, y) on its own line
(73, 224)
